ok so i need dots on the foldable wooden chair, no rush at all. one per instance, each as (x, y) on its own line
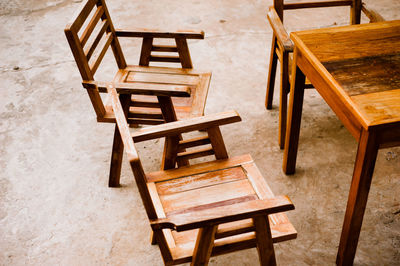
(282, 47)
(153, 89)
(205, 209)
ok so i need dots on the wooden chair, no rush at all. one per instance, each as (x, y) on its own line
(205, 209)
(282, 48)
(153, 89)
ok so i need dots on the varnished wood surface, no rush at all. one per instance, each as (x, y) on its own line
(348, 42)
(366, 79)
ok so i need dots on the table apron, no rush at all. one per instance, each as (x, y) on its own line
(389, 136)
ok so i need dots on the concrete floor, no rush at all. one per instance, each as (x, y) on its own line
(55, 206)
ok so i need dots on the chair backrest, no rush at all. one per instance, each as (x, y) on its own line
(89, 44)
(355, 5)
(89, 49)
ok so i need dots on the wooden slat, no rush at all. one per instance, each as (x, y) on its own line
(138, 121)
(165, 58)
(146, 33)
(235, 228)
(149, 104)
(200, 180)
(206, 195)
(97, 61)
(182, 254)
(189, 143)
(202, 207)
(165, 70)
(195, 154)
(80, 17)
(164, 48)
(199, 168)
(93, 45)
(162, 78)
(317, 4)
(179, 127)
(145, 115)
(141, 89)
(92, 24)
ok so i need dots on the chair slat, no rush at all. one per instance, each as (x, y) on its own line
(317, 4)
(145, 115)
(145, 104)
(92, 24)
(145, 121)
(171, 59)
(195, 154)
(84, 12)
(96, 62)
(164, 48)
(92, 47)
(190, 143)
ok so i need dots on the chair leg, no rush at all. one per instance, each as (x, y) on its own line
(168, 111)
(204, 244)
(265, 246)
(283, 98)
(118, 148)
(153, 238)
(271, 75)
(116, 159)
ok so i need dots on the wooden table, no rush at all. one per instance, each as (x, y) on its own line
(356, 69)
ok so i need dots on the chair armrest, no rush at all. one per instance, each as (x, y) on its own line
(142, 89)
(129, 146)
(279, 30)
(372, 15)
(223, 214)
(145, 33)
(187, 125)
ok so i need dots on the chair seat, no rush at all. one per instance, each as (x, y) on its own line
(208, 185)
(145, 109)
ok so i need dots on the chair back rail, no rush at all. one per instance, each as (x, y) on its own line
(355, 5)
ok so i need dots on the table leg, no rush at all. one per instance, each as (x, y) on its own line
(294, 119)
(358, 195)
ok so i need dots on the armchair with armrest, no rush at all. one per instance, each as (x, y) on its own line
(154, 91)
(209, 208)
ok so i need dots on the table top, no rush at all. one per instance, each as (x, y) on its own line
(361, 64)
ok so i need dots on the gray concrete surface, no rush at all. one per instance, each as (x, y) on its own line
(55, 206)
